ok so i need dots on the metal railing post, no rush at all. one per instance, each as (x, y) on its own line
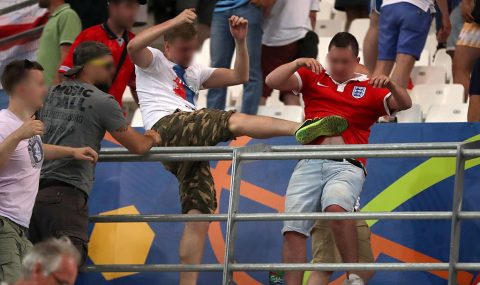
(456, 209)
(231, 233)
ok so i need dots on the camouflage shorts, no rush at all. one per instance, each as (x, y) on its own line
(205, 127)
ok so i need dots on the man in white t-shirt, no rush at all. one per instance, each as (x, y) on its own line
(21, 156)
(167, 86)
(403, 31)
(288, 35)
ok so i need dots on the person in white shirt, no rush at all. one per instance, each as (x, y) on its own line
(288, 35)
(403, 31)
(167, 86)
(22, 154)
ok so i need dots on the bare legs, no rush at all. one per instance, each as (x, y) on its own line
(355, 13)
(474, 109)
(370, 44)
(403, 67)
(191, 248)
(465, 57)
(261, 127)
(294, 251)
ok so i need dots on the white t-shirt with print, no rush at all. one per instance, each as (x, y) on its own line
(288, 22)
(20, 176)
(160, 90)
(425, 5)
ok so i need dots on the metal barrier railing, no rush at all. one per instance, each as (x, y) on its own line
(461, 151)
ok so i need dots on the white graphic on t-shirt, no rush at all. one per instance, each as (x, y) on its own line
(35, 151)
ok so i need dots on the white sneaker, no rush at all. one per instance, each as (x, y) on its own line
(353, 279)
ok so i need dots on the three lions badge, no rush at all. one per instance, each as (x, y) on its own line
(358, 92)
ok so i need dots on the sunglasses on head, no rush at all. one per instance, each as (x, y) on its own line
(103, 63)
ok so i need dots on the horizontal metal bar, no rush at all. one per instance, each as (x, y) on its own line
(165, 157)
(390, 146)
(152, 268)
(288, 148)
(157, 218)
(282, 217)
(279, 266)
(348, 154)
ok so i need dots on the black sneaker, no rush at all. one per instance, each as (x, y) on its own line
(314, 128)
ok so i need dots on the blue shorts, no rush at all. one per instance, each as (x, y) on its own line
(317, 184)
(376, 5)
(474, 82)
(403, 28)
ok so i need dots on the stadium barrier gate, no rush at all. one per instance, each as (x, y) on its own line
(461, 151)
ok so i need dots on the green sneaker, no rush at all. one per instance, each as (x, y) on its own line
(327, 126)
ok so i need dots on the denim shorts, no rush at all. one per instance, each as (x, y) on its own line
(318, 183)
(403, 28)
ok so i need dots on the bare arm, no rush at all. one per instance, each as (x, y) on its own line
(29, 129)
(313, 18)
(283, 78)
(223, 77)
(134, 141)
(466, 7)
(137, 47)
(446, 25)
(400, 99)
(53, 152)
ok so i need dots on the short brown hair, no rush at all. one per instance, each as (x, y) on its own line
(16, 71)
(185, 31)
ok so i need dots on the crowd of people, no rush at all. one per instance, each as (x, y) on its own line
(62, 105)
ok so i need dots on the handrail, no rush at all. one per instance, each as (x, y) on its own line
(461, 151)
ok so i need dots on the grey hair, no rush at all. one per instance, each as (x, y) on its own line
(49, 254)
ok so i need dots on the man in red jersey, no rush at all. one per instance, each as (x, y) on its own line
(332, 185)
(115, 34)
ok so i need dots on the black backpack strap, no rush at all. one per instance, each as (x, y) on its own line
(122, 57)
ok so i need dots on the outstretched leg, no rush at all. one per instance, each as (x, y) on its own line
(261, 127)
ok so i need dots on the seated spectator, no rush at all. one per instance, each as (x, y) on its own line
(403, 31)
(115, 34)
(52, 262)
(474, 101)
(62, 28)
(287, 30)
(21, 157)
(84, 121)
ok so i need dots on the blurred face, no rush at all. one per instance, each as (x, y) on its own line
(44, 3)
(342, 63)
(124, 13)
(100, 71)
(181, 51)
(32, 90)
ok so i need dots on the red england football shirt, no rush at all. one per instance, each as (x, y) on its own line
(102, 33)
(355, 100)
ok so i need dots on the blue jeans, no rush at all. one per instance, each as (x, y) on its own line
(318, 183)
(222, 46)
(3, 99)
